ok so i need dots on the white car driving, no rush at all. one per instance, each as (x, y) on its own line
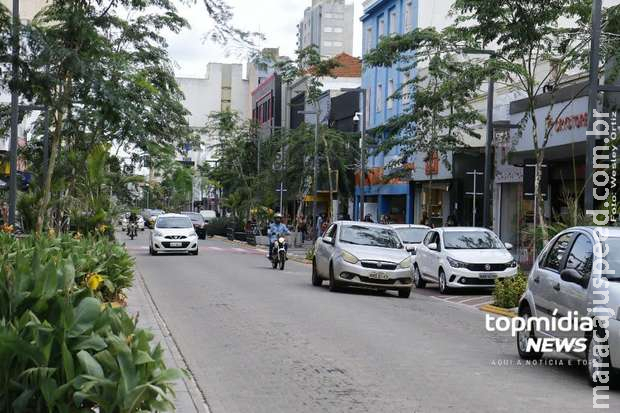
(462, 257)
(173, 233)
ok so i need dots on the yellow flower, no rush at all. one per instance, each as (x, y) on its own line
(77, 236)
(51, 233)
(101, 228)
(93, 280)
(6, 228)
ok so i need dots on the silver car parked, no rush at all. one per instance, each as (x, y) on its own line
(567, 278)
(363, 255)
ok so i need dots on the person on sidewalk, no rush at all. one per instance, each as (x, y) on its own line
(276, 228)
(302, 227)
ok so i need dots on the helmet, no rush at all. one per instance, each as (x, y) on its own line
(278, 215)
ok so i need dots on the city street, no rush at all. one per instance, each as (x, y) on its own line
(261, 340)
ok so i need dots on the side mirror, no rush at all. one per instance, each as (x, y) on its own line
(508, 245)
(411, 248)
(572, 276)
(433, 246)
(328, 240)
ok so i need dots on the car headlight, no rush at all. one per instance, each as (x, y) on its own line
(158, 234)
(456, 263)
(406, 263)
(512, 264)
(281, 240)
(350, 258)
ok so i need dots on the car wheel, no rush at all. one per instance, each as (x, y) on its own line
(195, 252)
(333, 287)
(152, 251)
(404, 293)
(595, 363)
(417, 278)
(316, 279)
(443, 283)
(524, 336)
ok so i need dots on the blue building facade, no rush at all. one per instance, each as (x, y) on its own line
(383, 18)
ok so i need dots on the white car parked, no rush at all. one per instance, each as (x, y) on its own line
(173, 233)
(462, 257)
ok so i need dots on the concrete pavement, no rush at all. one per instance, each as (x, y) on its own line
(259, 340)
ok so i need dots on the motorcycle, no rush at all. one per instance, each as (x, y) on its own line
(133, 230)
(278, 253)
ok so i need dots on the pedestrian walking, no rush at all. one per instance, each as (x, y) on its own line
(319, 225)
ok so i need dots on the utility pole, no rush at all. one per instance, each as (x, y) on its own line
(592, 103)
(362, 154)
(315, 173)
(488, 156)
(14, 115)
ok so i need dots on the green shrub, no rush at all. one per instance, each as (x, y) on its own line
(61, 348)
(508, 291)
(89, 255)
(218, 226)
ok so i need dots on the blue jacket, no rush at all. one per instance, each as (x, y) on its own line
(275, 229)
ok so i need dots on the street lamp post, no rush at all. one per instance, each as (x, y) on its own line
(488, 148)
(361, 116)
(14, 115)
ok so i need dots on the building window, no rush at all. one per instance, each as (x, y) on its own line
(390, 92)
(406, 88)
(337, 43)
(408, 16)
(369, 39)
(327, 43)
(393, 22)
(381, 30)
(379, 98)
(338, 29)
(328, 29)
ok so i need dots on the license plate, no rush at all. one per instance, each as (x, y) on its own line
(175, 244)
(487, 276)
(378, 276)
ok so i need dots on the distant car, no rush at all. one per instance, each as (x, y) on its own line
(152, 216)
(208, 215)
(411, 235)
(140, 223)
(566, 277)
(462, 257)
(199, 223)
(363, 255)
(173, 233)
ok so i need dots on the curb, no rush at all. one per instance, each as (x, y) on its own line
(292, 257)
(490, 308)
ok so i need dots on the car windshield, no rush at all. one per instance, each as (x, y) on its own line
(467, 240)
(371, 236)
(613, 258)
(174, 222)
(412, 235)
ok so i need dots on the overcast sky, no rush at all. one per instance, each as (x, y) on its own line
(276, 19)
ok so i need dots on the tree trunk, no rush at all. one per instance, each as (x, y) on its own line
(329, 178)
(42, 212)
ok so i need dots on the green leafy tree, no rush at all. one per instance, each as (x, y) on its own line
(312, 68)
(440, 115)
(535, 49)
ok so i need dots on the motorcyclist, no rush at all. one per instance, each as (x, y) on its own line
(276, 228)
(131, 219)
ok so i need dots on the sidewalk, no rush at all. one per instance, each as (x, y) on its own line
(189, 399)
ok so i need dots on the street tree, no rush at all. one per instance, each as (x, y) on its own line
(310, 66)
(537, 45)
(438, 115)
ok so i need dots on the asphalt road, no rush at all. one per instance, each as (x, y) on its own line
(262, 340)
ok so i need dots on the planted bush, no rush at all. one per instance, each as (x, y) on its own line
(508, 291)
(89, 255)
(62, 349)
